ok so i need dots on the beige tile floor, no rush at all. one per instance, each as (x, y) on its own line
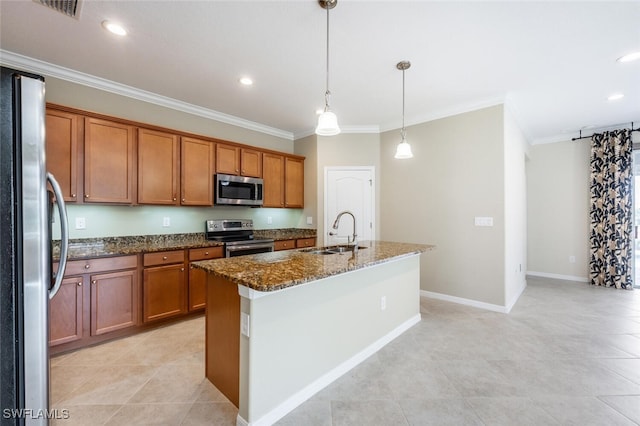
(567, 354)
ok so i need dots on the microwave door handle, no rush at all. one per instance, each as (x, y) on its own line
(64, 233)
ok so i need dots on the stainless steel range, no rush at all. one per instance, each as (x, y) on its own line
(237, 236)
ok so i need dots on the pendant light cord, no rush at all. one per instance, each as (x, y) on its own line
(327, 93)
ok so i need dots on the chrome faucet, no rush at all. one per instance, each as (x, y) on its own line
(336, 223)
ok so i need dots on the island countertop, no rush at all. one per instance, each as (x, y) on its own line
(278, 270)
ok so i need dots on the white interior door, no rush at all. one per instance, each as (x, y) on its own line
(351, 189)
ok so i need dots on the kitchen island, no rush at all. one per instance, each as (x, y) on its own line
(281, 326)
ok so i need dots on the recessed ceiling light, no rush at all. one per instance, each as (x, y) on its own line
(615, 97)
(245, 81)
(114, 27)
(629, 57)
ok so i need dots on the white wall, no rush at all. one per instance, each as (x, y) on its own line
(345, 149)
(515, 204)
(558, 209)
(457, 173)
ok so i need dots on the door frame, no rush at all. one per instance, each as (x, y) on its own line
(327, 220)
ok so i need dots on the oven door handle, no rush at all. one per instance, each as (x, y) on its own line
(249, 247)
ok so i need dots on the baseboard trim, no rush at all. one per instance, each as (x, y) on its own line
(463, 301)
(317, 385)
(558, 276)
(515, 298)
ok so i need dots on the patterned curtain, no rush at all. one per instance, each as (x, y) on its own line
(611, 209)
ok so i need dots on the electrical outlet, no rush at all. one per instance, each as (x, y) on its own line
(244, 324)
(81, 223)
(166, 221)
(572, 259)
(383, 303)
(309, 220)
(269, 220)
(483, 221)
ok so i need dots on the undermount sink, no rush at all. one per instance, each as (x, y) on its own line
(333, 250)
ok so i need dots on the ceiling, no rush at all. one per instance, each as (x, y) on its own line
(553, 63)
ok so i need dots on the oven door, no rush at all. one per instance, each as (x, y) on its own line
(244, 249)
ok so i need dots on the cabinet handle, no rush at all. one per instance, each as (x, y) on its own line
(87, 266)
(164, 257)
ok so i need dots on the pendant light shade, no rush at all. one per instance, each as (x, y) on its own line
(327, 124)
(327, 121)
(403, 151)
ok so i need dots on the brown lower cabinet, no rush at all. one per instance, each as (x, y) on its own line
(97, 296)
(292, 244)
(198, 277)
(164, 290)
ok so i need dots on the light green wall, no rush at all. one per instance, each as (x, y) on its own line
(457, 173)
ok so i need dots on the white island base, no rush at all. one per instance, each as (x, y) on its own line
(302, 338)
(268, 352)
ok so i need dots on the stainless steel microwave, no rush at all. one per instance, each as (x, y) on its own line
(238, 190)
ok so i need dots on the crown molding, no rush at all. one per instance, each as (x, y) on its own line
(26, 63)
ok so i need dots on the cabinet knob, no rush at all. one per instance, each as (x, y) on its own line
(183, 200)
(182, 269)
(86, 195)
(190, 266)
(164, 257)
(79, 283)
(87, 266)
(93, 281)
(206, 253)
(73, 195)
(174, 198)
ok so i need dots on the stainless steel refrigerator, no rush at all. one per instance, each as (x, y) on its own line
(26, 209)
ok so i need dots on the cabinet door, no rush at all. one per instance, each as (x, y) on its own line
(273, 176)
(62, 138)
(251, 163)
(197, 288)
(197, 169)
(227, 159)
(65, 312)
(157, 167)
(114, 301)
(108, 162)
(293, 182)
(163, 292)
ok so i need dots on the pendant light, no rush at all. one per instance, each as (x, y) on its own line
(327, 121)
(403, 150)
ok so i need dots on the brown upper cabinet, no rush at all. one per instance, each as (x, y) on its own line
(233, 160)
(158, 164)
(273, 175)
(283, 181)
(63, 140)
(293, 182)
(109, 162)
(196, 172)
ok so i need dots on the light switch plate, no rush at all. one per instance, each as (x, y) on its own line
(483, 221)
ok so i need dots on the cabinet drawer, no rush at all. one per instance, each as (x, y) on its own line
(163, 257)
(305, 242)
(284, 245)
(78, 267)
(206, 253)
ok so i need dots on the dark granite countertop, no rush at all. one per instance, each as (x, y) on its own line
(282, 269)
(85, 248)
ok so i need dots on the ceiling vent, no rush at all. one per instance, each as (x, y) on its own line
(68, 7)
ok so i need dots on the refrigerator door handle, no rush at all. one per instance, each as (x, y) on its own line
(64, 233)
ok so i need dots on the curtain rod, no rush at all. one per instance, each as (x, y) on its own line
(604, 127)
